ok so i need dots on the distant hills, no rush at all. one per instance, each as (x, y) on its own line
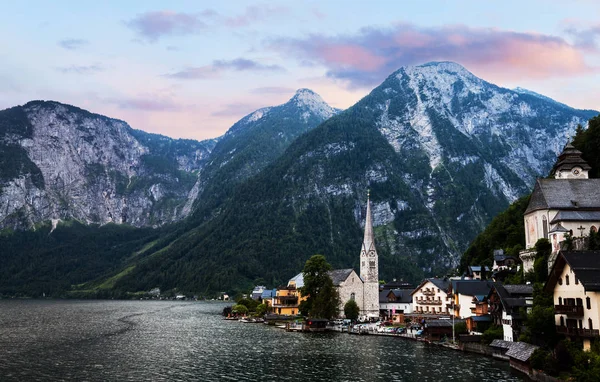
(441, 150)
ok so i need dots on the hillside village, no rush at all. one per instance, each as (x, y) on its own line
(563, 211)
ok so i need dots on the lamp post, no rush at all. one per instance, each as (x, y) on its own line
(453, 339)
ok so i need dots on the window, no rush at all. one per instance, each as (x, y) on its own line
(562, 321)
(560, 301)
(593, 229)
(567, 280)
(590, 323)
(545, 226)
(352, 295)
(560, 281)
(588, 303)
(576, 281)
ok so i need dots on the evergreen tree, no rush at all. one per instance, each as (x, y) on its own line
(351, 310)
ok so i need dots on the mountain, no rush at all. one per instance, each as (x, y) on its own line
(254, 142)
(60, 162)
(442, 152)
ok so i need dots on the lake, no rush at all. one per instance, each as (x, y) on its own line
(186, 341)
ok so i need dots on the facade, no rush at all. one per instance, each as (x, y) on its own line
(568, 204)
(369, 269)
(477, 272)
(349, 286)
(470, 297)
(393, 302)
(431, 297)
(574, 282)
(508, 305)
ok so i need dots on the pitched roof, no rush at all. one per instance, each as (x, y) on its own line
(567, 194)
(402, 295)
(443, 284)
(472, 287)
(501, 344)
(521, 351)
(585, 265)
(569, 216)
(558, 227)
(569, 158)
(338, 276)
(523, 289)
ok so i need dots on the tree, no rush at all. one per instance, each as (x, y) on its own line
(262, 309)
(322, 298)
(351, 310)
(543, 248)
(541, 327)
(239, 309)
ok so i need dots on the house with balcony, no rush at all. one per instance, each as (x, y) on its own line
(394, 303)
(574, 281)
(508, 305)
(470, 297)
(431, 297)
(568, 204)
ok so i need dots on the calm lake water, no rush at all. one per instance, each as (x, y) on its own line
(187, 341)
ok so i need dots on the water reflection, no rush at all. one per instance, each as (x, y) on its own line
(183, 341)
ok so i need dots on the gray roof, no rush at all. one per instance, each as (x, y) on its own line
(521, 351)
(477, 268)
(440, 283)
(565, 194)
(441, 323)
(338, 276)
(586, 266)
(569, 158)
(570, 216)
(501, 344)
(472, 287)
(558, 228)
(402, 295)
(523, 289)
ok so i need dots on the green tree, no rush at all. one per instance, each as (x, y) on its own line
(239, 309)
(543, 248)
(262, 309)
(351, 310)
(322, 298)
(494, 332)
(541, 327)
(460, 328)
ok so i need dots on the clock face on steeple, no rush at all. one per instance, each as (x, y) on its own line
(371, 253)
(576, 171)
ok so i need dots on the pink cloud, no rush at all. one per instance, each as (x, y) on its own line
(368, 57)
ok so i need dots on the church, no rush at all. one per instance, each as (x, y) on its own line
(568, 204)
(363, 288)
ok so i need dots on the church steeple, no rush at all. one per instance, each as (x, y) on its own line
(570, 164)
(369, 267)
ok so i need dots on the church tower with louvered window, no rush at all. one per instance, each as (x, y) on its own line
(369, 268)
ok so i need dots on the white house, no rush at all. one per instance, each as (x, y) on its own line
(431, 297)
(574, 282)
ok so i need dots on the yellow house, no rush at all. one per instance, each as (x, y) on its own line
(288, 298)
(574, 282)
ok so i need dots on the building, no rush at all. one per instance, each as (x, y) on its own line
(519, 355)
(567, 204)
(349, 286)
(477, 272)
(431, 297)
(257, 292)
(470, 297)
(395, 302)
(369, 268)
(574, 281)
(507, 307)
(502, 261)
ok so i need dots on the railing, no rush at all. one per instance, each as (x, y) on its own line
(428, 292)
(577, 331)
(429, 302)
(569, 310)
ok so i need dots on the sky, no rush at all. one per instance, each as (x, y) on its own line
(191, 69)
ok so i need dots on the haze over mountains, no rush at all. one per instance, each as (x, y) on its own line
(441, 150)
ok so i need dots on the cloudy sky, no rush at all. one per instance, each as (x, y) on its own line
(190, 69)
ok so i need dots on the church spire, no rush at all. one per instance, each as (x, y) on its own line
(368, 240)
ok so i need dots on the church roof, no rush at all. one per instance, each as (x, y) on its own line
(558, 228)
(570, 158)
(565, 194)
(570, 216)
(585, 265)
(338, 276)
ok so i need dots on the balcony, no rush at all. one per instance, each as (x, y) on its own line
(428, 292)
(569, 310)
(577, 332)
(429, 302)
